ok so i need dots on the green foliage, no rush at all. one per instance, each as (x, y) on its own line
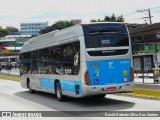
(93, 20)
(112, 18)
(4, 32)
(62, 24)
(59, 25)
(7, 31)
(12, 29)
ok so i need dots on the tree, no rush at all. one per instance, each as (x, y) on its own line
(46, 30)
(107, 18)
(11, 29)
(62, 24)
(4, 32)
(93, 20)
(120, 19)
(112, 18)
(59, 25)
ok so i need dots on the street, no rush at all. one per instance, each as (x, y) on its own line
(15, 98)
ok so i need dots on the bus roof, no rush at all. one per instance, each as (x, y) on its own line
(52, 38)
(58, 37)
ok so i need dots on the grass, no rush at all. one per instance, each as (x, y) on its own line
(10, 77)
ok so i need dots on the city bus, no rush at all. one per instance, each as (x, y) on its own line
(83, 60)
(10, 44)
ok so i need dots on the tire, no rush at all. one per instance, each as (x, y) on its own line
(29, 88)
(58, 91)
(99, 96)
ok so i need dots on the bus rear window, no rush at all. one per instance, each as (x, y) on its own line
(105, 35)
(106, 40)
(110, 35)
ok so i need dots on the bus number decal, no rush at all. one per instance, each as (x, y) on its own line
(107, 41)
(68, 71)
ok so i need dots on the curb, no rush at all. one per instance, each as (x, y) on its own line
(13, 78)
(144, 93)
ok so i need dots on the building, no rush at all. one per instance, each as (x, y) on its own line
(76, 21)
(10, 47)
(19, 38)
(146, 40)
(32, 28)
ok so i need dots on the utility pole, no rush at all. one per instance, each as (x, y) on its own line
(149, 14)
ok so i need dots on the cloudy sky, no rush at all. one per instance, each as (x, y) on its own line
(13, 12)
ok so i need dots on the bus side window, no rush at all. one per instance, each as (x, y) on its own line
(59, 53)
(68, 51)
(76, 65)
(34, 68)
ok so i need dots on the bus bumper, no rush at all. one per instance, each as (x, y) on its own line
(107, 89)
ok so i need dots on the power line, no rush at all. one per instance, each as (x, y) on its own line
(136, 11)
(130, 13)
(149, 14)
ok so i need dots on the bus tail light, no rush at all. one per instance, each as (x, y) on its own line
(86, 78)
(132, 74)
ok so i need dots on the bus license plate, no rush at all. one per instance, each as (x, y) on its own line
(111, 89)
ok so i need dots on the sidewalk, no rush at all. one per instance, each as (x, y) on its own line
(148, 82)
(11, 72)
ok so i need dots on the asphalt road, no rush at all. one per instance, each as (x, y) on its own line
(15, 98)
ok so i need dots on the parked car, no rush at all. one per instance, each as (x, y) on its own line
(8, 66)
(14, 64)
(3, 64)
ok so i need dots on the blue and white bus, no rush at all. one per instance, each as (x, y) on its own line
(83, 60)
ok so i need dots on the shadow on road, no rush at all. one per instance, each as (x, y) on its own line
(73, 104)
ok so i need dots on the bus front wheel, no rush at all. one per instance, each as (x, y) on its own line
(58, 91)
(29, 87)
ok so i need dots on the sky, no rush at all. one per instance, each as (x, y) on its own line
(14, 12)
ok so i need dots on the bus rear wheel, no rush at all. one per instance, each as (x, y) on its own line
(58, 91)
(99, 96)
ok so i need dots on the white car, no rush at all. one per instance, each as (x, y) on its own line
(14, 64)
(3, 64)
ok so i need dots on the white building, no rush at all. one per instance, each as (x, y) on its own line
(32, 28)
